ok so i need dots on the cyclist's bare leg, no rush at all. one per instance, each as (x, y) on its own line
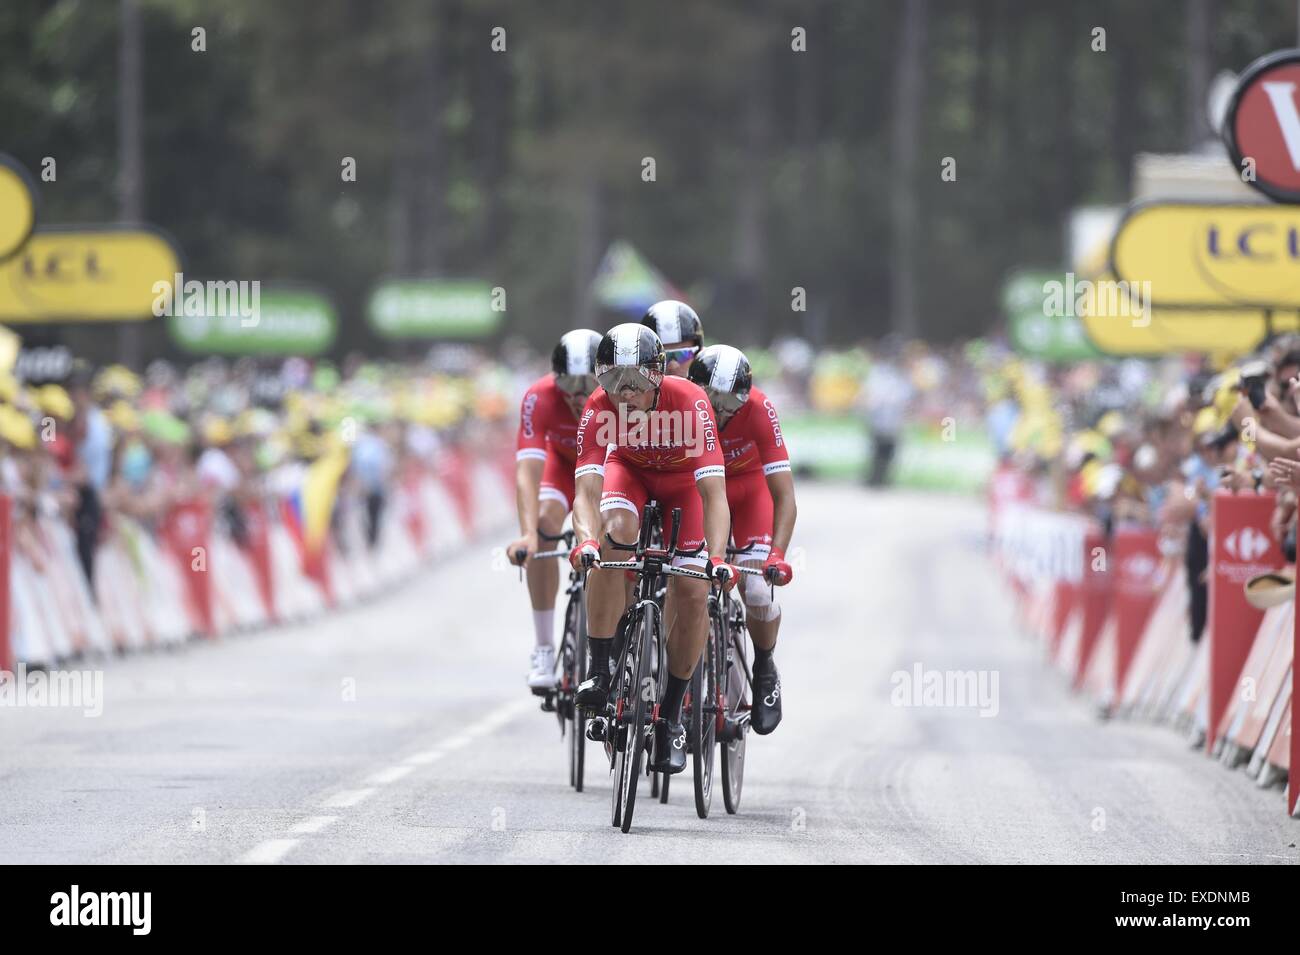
(762, 615)
(606, 589)
(544, 575)
(689, 628)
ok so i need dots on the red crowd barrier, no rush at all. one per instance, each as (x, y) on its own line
(192, 577)
(1119, 628)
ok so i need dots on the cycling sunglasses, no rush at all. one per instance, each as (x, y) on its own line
(616, 378)
(727, 401)
(576, 384)
(681, 355)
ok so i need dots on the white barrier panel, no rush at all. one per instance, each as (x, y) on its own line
(1033, 544)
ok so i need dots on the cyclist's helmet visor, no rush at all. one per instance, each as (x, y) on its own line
(682, 356)
(616, 378)
(727, 402)
(576, 384)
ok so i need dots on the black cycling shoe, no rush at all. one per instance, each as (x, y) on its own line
(669, 747)
(766, 711)
(593, 692)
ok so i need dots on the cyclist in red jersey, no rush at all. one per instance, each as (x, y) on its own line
(544, 461)
(760, 494)
(666, 447)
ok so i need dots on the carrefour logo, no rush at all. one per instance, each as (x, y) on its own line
(1247, 544)
(1139, 567)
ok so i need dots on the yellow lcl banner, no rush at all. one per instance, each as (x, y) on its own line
(17, 206)
(1162, 331)
(1215, 277)
(86, 274)
(1211, 255)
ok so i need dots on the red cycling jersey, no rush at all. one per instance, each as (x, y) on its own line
(679, 434)
(545, 422)
(752, 438)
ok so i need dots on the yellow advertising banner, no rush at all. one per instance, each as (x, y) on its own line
(17, 206)
(1117, 327)
(1231, 255)
(79, 274)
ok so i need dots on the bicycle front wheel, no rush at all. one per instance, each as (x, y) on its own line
(637, 708)
(577, 673)
(703, 727)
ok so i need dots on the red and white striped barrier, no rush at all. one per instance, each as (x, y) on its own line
(192, 578)
(1117, 628)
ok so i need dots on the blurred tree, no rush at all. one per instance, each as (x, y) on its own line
(777, 165)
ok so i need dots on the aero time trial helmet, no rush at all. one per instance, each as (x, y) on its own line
(676, 322)
(630, 356)
(724, 374)
(574, 361)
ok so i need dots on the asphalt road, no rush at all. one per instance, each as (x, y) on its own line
(401, 731)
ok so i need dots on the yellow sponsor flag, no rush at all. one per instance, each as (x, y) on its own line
(319, 493)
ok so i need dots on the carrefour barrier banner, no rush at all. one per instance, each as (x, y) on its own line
(289, 321)
(1242, 547)
(1139, 576)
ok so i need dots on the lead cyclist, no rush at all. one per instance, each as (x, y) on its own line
(665, 447)
(760, 495)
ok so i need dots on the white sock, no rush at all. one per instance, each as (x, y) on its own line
(544, 624)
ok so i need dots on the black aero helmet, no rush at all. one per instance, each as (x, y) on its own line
(574, 361)
(630, 356)
(674, 322)
(724, 374)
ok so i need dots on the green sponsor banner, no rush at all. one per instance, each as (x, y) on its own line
(827, 445)
(928, 458)
(1033, 331)
(432, 308)
(839, 446)
(275, 321)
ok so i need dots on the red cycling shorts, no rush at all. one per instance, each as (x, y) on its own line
(630, 488)
(557, 480)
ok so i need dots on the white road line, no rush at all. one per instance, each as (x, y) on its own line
(390, 775)
(269, 852)
(423, 759)
(348, 798)
(273, 850)
(313, 824)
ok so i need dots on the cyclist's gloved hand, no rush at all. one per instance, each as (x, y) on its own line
(585, 554)
(723, 573)
(776, 569)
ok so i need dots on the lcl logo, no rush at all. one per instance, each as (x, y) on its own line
(64, 266)
(1247, 544)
